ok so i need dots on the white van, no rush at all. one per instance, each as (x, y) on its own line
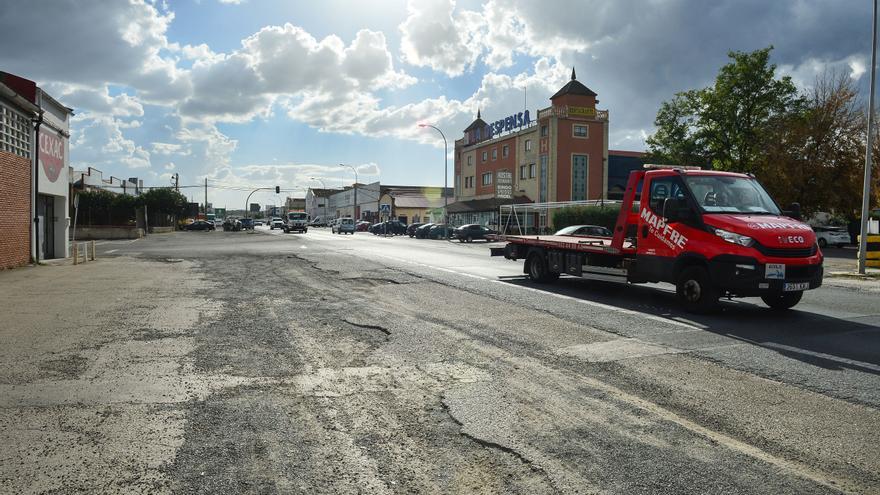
(343, 226)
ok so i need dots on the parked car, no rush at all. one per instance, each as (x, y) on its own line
(832, 236)
(411, 230)
(199, 225)
(247, 223)
(471, 232)
(440, 231)
(258, 223)
(393, 227)
(318, 222)
(343, 226)
(231, 225)
(276, 223)
(585, 230)
(422, 232)
(362, 226)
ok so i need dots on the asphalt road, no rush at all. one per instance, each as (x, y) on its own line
(326, 363)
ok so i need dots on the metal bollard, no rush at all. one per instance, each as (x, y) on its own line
(94, 250)
(75, 253)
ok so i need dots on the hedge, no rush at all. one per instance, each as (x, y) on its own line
(605, 216)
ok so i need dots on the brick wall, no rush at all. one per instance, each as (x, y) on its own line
(15, 206)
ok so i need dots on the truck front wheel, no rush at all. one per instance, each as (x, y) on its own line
(696, 290)
(786, 300)
(538, 270)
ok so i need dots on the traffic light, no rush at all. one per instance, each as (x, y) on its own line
(277, 189)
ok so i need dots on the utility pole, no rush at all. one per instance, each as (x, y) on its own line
(176, 181)
(355, 208)
(206, 197)
(866, 192)
(445, 177)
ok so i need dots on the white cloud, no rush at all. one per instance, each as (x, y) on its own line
(100, 143)
(170, 166)
(433, 37)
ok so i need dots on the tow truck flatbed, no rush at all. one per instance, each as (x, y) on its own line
(598, 245)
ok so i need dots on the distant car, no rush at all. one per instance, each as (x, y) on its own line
(832, 236)
(258, 223)
(199, 225)
(411, 230)
(585, 230)
(276, 223)
(318, 222)
(344, 226)
(422, 232)
(392, 227)
(247, 223)
(440, 231)
(362, 226)
(471, 232)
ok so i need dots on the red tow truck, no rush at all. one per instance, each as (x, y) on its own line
(712, 234)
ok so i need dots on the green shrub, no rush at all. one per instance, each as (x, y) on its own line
(605, 216)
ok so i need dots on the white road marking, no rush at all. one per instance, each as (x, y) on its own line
(111, 251)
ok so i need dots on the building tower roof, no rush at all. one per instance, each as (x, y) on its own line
(479, 123)
(574, 87)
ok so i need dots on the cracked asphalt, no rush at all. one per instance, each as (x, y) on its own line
(263, 363)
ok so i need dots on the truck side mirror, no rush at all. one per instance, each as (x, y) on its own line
(677, 210)
(794, 211)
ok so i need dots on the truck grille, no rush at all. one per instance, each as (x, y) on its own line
(787, 252)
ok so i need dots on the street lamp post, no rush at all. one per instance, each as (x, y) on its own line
(325, 198)
(355, 206)
(866, 193)
(445, 174)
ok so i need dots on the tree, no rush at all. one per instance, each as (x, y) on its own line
(726, 124)
(677, 141)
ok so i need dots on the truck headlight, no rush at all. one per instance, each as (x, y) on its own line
(742, 240)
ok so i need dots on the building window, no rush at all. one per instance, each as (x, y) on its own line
(485, 156)
(494, 154)
(580, 131)
(532, 171)
(15, 133)
(545, 131)
(579, 177)
(505, 151)
(542, 192)
(528, 145)
(487, 179)
(522, 172)
(469, 182)
(470, 159)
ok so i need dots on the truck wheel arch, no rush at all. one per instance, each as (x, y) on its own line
(686, 260)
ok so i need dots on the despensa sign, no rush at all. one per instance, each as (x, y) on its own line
(521, 119)
(663, 231)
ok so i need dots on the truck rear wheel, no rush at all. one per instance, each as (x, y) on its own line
(696, 290)
(786, 300)
(538, 270)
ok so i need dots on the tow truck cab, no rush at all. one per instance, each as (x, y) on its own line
(719, 233)
(711, 234)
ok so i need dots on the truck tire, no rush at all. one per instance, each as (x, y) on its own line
(786, 300)
(538, 270)
(696, 291)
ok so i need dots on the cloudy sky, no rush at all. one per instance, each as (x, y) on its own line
(266, 92)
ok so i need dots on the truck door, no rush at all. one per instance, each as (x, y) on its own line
(659, 242)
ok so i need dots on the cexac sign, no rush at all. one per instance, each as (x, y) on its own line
(510, 123)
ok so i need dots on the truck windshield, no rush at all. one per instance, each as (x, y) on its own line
(721, 194)
(296, 216)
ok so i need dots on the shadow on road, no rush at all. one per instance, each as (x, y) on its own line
(819, 340)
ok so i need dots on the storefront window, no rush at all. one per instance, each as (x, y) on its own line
(579, 178)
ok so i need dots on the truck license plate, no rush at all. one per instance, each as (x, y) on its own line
(795, 286)
(775, 271)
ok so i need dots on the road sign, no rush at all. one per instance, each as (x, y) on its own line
(504, 184)
(385, 209)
